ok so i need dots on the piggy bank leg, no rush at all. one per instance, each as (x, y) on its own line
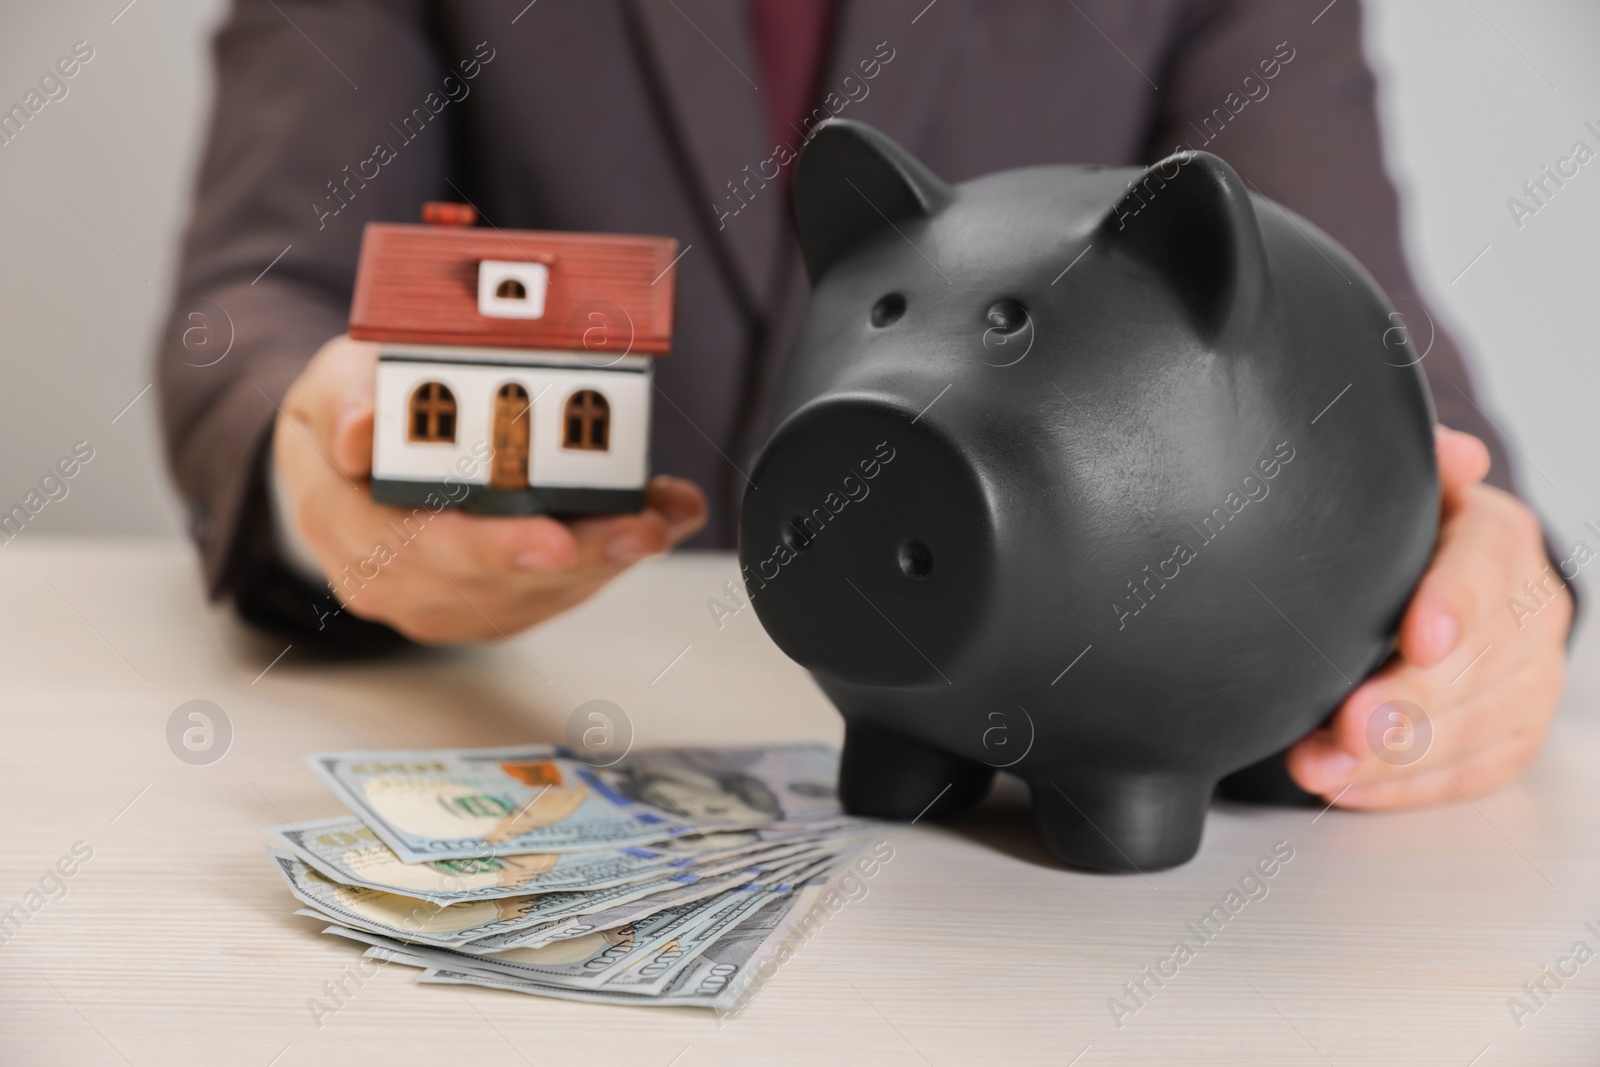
(884, 775)
(1110, 821)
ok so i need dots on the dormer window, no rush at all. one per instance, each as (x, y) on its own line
(512, 289)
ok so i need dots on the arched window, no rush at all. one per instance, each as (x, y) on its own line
(433, 413)
(588, 421)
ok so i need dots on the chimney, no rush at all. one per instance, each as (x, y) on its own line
(444, 213)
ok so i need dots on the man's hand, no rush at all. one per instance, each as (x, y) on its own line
(463, 577)
(1486, 677)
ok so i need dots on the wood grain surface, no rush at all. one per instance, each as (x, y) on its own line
(1389, 939)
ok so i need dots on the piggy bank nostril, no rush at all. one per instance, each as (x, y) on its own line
(794, 535)
(888, 310)
(915, 559)
(1006, 316)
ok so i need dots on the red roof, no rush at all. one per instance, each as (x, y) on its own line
(419, 284)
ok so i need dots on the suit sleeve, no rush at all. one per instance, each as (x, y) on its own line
(324, 118)
(1308, 137)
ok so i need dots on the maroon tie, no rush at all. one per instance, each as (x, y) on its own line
(791, 36)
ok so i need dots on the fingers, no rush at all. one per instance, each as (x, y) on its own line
(435, 573)
(341, 520)
(1463, 460)
(446, 576)
(618, 540)
(1466, 701)
(1406, 722)
(1443, 606)
(674, 510)
(1486, 771)
(1372, 734)
(1319, 764)
(1466, 750)
(350, 444)
(1470, 574)
(332, 400)
(680, 503)
(464, 545)
(343, 525)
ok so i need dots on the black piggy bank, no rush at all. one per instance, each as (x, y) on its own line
(1118, 479)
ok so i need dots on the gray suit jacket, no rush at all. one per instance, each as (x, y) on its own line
(643, 116)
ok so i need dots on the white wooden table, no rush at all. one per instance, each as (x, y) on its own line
(1393, 939)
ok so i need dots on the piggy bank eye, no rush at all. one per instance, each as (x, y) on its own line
(1006, 316)
(888, 310)
(915, 559)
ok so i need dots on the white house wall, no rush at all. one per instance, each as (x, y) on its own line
(624, 466)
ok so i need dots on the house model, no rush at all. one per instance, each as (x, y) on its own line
(514, 366)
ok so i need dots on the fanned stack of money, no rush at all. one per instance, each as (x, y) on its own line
(667, 879)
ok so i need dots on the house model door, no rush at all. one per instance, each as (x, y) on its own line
(512, 425)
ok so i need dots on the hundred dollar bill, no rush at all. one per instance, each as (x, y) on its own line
(651, 975)
(471, 803)
(455, 924)
(374, 913)
(465, 804)
(388, 955)
(718, 978)
(725, 788)
(618, 915)
(406, 917)
(580, 963)
(345, 850)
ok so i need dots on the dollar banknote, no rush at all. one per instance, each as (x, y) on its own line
(344, 850)
(591, 961)
(719, 978)
(617, 915)
(582, 963)
(730, 788)
(455, 924)
(476, 803)
(467, 804)
(668, 878)
(651, 976)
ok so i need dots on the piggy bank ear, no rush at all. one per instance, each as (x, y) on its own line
(851, 182)
(1190, 219)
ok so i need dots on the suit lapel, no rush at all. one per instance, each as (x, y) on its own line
(707, 74)
(902, 98)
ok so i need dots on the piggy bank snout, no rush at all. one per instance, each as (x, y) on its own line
(867, 542)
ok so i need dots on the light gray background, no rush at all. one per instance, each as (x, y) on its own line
(1477, 94)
